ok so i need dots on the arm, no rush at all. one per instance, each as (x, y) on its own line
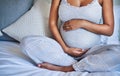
(107, 27)
(53, 19)
(104, 29)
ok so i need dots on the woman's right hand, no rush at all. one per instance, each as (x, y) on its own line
(75, 52)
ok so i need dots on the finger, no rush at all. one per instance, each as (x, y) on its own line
(64, 27)
(68, 28)
(77, 54)
(66, 23)
(78, 51)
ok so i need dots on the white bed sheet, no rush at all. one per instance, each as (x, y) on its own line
(14, 63)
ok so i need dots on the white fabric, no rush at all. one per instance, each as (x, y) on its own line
(34, 22)
(15, 63)
(80, 38)
(44, 49)
(100, 58)
(105, 59)
(0, 33)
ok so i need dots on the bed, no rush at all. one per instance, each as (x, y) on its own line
(14, 26)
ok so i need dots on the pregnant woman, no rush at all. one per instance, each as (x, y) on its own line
(81, 28)
(78, 36)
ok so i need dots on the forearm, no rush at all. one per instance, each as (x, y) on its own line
(53, 21)
(102, 29)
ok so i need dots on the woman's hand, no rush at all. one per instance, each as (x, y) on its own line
(75, 52)
(72, 24)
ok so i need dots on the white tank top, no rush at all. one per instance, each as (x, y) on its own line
(91, 12)
(80, 38)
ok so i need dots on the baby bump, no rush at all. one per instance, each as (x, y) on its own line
(80, 38)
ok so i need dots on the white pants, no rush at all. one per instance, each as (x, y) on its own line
(14, 63)
(42, 49)
(99, 58)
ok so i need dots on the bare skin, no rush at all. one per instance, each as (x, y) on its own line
(55, 67)
(58, 68)
(103, 29)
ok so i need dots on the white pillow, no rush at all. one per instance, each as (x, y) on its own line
(0, 33)
(34, 22)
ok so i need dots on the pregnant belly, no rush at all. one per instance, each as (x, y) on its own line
(80, 38)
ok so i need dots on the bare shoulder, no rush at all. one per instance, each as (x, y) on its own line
(105, 1)
(56, 1)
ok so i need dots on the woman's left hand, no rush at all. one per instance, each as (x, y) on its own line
(72, 24)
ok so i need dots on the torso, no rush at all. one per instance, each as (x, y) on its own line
(90, 10)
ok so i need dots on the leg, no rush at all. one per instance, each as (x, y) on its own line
(106, 59)
(42, 49)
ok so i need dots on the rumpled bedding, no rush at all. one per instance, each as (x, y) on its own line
(14, 63)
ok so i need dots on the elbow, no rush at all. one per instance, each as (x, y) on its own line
(52, 25)
(109, 31)
(109, 34)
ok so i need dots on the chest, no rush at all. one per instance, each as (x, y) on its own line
(79, 3)
(91, 12)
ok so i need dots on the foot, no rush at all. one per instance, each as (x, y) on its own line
(55, 67)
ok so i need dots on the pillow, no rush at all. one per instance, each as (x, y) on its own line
(10, 11)
(34, 22)
(0, 33)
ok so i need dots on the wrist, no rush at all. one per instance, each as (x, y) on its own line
(65, 49)
(83, 23)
